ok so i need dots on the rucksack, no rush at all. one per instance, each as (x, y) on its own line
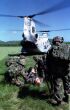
(62, 51)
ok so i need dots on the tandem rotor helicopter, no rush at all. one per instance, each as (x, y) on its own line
(33, 43)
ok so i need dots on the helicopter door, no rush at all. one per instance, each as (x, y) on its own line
(33, 30)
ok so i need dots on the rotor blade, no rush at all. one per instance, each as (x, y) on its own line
(11, 31)
(3, 15)
(61, 5)
(36, 21)
(40, 23)
(68, 29)
(16, 30)
(44, 31)
(61, 30)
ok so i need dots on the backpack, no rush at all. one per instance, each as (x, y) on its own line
(62, 52)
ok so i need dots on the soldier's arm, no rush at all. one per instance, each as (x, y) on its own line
(35, 59)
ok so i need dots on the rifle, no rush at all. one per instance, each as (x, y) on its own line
(20, 64)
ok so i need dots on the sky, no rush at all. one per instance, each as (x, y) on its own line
(57, 17)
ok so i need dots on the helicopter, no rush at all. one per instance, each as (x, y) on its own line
(32, 42)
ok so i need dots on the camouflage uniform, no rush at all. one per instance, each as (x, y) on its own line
(45, 69)
(59, 67)
(15, 68)
(40, 66)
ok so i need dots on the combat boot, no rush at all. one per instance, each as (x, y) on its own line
(66, 99)
(52, 101)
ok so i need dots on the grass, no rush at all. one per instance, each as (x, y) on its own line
(28, 98)
(4, 51)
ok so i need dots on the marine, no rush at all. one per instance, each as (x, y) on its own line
(41, 66)
(58, 59)
(32, 77)
(15, 70)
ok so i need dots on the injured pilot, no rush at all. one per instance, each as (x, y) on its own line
(31, 76)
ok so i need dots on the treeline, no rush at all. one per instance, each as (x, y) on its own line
(68, 42)
(17, 43)
(10, 43)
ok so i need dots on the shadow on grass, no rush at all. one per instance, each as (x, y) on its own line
(5, 79)
(26, 91)
(36, 94)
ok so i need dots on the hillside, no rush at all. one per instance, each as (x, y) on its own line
(17, 43)
(10, 43)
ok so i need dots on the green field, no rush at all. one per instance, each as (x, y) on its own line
(4, 51)
(29, 98)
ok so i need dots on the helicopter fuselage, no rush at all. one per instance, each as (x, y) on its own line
(41, 45)
(32, 42)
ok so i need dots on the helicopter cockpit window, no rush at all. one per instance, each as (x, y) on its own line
(33, 29)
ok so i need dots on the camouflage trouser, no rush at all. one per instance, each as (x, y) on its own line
(57, 86)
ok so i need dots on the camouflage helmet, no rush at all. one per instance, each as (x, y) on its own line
(57, 39)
